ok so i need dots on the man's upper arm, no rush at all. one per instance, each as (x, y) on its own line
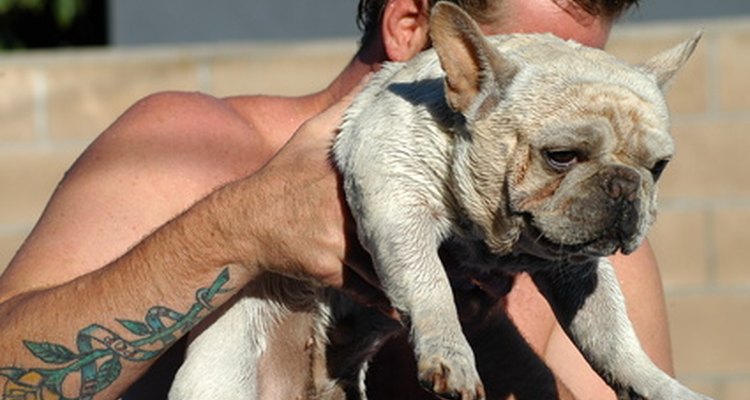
(164, 154)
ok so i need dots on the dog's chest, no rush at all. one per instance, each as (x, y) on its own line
(470, 264)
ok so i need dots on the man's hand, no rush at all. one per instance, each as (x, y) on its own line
(295, 216)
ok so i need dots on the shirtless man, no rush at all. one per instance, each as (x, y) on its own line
(187, 192)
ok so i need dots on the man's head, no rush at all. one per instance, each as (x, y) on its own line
(401, 25)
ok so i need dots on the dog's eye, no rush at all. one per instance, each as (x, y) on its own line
(562, 159)
(658, 168)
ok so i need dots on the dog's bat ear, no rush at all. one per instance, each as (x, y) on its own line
(664, 66)
(470, 62)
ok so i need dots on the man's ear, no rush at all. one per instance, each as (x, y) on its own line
(664, 66)
(470, 62)
(404, 28)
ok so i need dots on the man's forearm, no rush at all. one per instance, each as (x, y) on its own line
(96, 334)
(287, 217)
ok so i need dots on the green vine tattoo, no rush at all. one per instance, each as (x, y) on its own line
(101, 350)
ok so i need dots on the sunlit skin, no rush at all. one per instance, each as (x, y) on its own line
(564, 18)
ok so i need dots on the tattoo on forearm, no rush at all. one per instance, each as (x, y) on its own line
(101, 351)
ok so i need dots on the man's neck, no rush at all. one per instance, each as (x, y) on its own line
(367, 60)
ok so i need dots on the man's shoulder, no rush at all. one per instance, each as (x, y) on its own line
(159, 157)
(270, 119)
(185, 125)
(273, 117)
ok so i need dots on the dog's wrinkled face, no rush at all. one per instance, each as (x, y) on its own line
(564, 144)
(583, 177)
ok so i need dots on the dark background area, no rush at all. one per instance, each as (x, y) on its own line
(29, 24)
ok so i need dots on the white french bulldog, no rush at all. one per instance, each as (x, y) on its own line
(524, 153)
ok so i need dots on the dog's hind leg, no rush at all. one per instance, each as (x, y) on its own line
(589, 305)
(223, 361)
(355, 335)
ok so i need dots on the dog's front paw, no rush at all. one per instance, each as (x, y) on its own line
(671, 391)
(678, 392)
(450, 372)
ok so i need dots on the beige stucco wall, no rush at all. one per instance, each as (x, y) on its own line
(52, 104)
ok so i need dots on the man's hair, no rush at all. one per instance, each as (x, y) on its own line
(370, 12)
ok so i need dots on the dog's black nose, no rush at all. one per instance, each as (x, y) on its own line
(622, 184)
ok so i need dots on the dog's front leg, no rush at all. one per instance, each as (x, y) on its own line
(589, 304)
(406, 259)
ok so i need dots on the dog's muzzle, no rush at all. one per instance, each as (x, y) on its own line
(622, 186)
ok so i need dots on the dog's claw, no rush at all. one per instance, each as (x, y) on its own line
(451, 382)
